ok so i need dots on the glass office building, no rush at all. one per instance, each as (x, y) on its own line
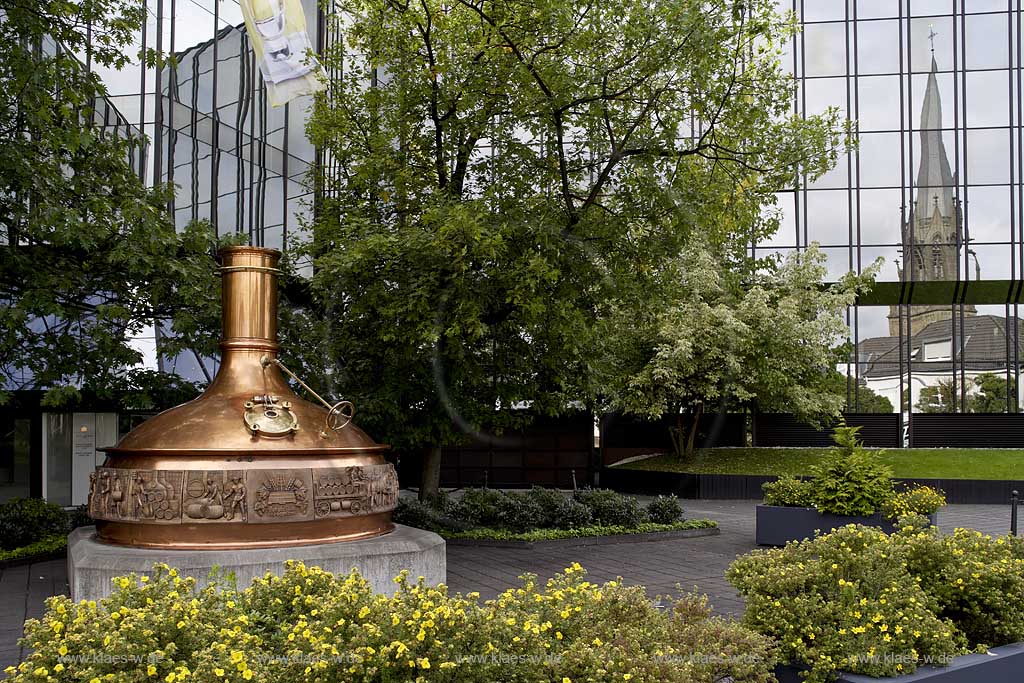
(934, 187)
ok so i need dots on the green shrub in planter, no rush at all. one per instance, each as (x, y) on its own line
(412, 512)
(79, 517)
(308, 625)
(788, 491)
(551, 503)
(851, 480)
(519, 512)
(574, 515)
(479, 507)
(24, 521)
(844, 601)
(664, 510)
(610, 508)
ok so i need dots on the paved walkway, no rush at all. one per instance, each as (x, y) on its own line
(694, 563)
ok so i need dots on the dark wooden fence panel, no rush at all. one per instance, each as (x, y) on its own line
(967, 430)
(783, 429)
(623, 436)
(546, 453)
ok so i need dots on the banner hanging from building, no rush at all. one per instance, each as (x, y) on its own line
(277, 29)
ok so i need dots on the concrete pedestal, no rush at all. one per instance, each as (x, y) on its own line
(92, 564)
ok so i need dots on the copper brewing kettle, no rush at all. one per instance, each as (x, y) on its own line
(249, 463)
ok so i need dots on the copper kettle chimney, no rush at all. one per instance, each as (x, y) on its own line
(250, 463)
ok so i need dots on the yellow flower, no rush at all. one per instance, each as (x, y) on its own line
(219, 671)
(364, 612)
(247, 674)
(151, 670)
(170, 677)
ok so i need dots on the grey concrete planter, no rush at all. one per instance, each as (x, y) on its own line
(999, 665)
(777, 525)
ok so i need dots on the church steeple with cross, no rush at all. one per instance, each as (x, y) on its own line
(932, 236)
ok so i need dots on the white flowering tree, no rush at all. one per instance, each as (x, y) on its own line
(765, 336)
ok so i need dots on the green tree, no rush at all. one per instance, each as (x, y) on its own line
(986, 393)
(990, 393)
(505, 175)
(938, 398)
(767, 343)
(89, 254)
(861, 398)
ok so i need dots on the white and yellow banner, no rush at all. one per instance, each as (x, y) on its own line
(277, 29)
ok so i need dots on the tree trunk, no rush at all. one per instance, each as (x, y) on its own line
(691, 440)
(430, 479)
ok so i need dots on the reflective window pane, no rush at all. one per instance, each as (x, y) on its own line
(878, 47)
(921, 41)
(880, 217)
(988, 215)
(825, 49)
(877, 9)
(987, 45)
(988, 98)
(879, 155)
(988, 156)
(878, 100)
(828, 216)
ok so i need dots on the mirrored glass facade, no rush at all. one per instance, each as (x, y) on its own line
(933, 187)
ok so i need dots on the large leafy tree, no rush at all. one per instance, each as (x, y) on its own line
(504, 174)
(768, 340)
(88, 253)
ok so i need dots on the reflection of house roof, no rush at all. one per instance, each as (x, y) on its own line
(984, 343)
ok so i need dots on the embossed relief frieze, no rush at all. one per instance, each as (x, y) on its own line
(240, 496)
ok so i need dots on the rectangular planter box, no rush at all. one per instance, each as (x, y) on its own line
(1000, 665)
(776, 525)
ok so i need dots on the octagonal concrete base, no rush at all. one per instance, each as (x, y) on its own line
(92, 564)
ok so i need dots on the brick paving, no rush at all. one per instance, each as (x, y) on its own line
(693, 563)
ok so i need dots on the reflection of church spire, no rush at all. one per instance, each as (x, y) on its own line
(935, 182)
(933, 232)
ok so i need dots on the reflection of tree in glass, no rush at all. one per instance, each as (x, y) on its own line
(987, 393)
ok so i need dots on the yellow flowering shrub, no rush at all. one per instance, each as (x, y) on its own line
(308, 625)
(917, 500)
(863, 601)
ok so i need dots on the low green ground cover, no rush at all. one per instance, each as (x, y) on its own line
(47, 545)
(541, 514)
(924, 463)
(489, 534)
(30, 527)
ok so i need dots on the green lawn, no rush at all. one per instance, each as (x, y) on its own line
(924, 463)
